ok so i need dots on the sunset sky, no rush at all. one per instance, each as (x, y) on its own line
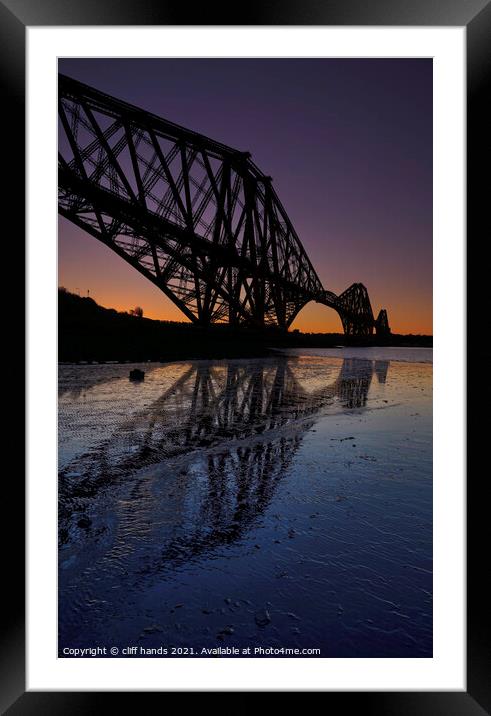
(348, 144)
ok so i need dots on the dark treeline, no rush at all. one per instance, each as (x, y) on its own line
(89, 332)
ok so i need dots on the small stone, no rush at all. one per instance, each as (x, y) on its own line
(262, 617)
(227, 630)
(152, 629)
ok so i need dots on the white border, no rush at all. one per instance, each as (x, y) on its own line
(446, 670)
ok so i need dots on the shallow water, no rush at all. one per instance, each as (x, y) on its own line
(281, 502)
(385, 353)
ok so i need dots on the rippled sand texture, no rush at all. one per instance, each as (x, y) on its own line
(273, 502)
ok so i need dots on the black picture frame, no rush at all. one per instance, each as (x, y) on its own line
(15, 16)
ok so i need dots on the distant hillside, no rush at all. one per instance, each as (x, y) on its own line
(89, 332)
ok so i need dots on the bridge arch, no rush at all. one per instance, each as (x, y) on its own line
(315, 312)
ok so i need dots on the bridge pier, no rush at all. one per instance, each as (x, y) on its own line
(382, 327)
(353, 327)
(356, 311)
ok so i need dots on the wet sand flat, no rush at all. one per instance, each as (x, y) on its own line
(283, 502)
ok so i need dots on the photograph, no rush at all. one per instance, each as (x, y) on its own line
(255, 258)
(245, 332)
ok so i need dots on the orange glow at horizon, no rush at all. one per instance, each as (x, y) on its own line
(127, 288)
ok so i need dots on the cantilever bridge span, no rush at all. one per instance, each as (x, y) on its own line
(196, 217)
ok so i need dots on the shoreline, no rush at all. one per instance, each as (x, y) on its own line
(90, 333)
(272, 353)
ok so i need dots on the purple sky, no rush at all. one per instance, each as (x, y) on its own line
(348, 143)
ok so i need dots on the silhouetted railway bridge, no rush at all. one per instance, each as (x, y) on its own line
(196, 217)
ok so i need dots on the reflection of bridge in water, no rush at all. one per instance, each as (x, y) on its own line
(230, 431)
(241, 400)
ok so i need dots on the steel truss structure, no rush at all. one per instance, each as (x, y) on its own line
(196, 217)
